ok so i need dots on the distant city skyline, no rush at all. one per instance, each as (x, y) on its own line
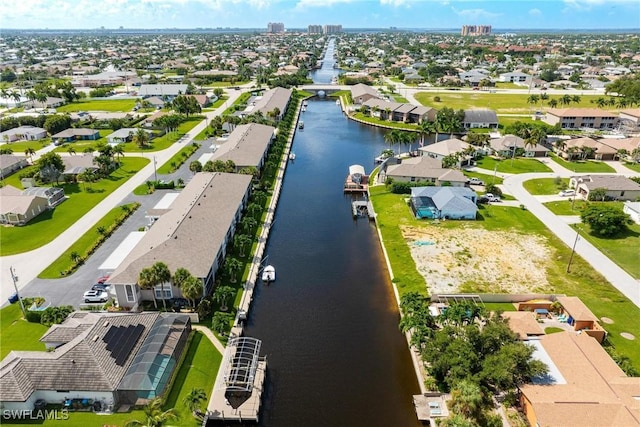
(425, 14)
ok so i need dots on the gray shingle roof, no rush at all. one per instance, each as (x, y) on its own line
(480, 116)
(246, 146)
(277, 97)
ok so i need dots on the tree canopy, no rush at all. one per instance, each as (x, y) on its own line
(605, 220)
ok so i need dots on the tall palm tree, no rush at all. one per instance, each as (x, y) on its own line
(30, 152)
(154, 415)
(141, 138)
(222, 294)
(146, 281)
(232, 265)
(161, 275)
(192, 289)
(425, 128)
(118, 151)
(193, 400)
(391, 137)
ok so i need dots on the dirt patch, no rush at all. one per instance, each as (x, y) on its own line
(477, 260)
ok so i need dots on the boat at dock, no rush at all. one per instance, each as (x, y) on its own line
(300, 124)
(337, 101)
(357, 181)
(292, 156)
(269, 274)
(303, 109)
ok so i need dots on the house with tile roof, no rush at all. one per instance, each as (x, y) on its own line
(421, 169)
(108, 359)
(505, 145)
(617, 187)
(578, 118)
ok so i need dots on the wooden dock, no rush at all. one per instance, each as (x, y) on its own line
(362, 208)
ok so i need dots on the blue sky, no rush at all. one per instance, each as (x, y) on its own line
(517, 14)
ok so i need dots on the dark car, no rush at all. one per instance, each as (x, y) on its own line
(482, 200)
(100, 287)
(179, 303)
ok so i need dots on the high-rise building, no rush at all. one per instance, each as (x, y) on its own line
(332, 29)
(315, 29)
(275, 27)
(475, 30)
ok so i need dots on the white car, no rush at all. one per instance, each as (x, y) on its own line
(567, 193)
(475, 181)
(492, 197)
(95, 296)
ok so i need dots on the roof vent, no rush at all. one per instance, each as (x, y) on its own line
(95, 338)
(106, 324)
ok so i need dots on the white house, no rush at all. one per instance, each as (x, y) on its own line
(633, 210)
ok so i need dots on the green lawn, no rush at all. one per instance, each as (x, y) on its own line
(111, 105)
(583, 166)
(384, 123)
(177, 159)
(552, 330)
(504, 103)
(502, 306)
(583, 281)
(17, 333)
(163, 142)
(545, 186)
(504, 121)
(198, 370)
(633, 166)
(564, 207)
(82, 245)
(487, 179)
(47, 226)
(19, 146)
(517, 165)
(621, 249)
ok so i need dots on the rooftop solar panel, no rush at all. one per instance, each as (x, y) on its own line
(121, 340)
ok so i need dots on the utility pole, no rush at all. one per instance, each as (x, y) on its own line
(573, 249)
(155, 170)
(14, 278)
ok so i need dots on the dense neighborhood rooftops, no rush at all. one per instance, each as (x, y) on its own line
(191, 233)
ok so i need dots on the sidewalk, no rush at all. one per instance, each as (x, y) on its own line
(29, 264)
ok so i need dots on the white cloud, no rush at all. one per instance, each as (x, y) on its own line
(475, 13)
(319, 3)
(394, 3)
(535, 12)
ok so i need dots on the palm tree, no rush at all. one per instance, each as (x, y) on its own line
(240, 241)
(425, 128)
(576, 99)
(154, 415)
(222, 294)
(467, 399)
(30, 152)
(118, 151)
(141, 138)
(146, 281)
(193, 400)
(533, 99)
(566, 99)
(192, 289)
(254, 210)
(220, 322)
(248, 223)
(71, 150)
(161, 275)
(232, 265)
(180, 277)
(553, 103)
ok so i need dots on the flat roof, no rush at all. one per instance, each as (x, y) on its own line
(122, 251)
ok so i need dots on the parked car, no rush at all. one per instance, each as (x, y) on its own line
(475, 181)
(567, 193)
(482, 200)
(100, 287)
(95, 296)
(103, 279)
(492, 198)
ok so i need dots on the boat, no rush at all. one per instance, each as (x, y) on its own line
(300, 124)
(304, 109)
(304, 103)
(269, 274)
(292, 156)
(337, 102)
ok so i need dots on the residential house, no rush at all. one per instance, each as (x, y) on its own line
(420, 114)
(77, 164)
(628, 144)
(617, 187)
(20, 207)
(10, 163)
(74, 134)
(163, 91)
(271, 99)
(579, 316)
(246, 146)
(50, 102)
(202, 100)
(583, 148)
(578, 118)
(633, 210)
(194, 234)
(515, 77)
(584, 386)
(632, 116)
(23, 133)
(447, 148)
(480, 118)
(97, 360)
(443, 202)
(524, 324)
(382, 109)
(124, 135)
(505, 146)
(361, 93)
(421, 169)
(395, 111)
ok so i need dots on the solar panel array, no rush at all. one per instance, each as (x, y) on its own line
(120, 341)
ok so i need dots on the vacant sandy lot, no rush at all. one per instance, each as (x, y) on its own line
(477, 260)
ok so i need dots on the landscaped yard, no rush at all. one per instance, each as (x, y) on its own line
(177, 159)
(79, 146)
(487, 179)
(583, 166)
(385, 123)
(393, 214)
(622, 249)
(500, 102)
(633, 166)
(82, 245)
(47, 226)
(545, 186)
(17, 333)
(163, 142)
(564, 207)
(517, 165)
(110, 105)
(18, 147)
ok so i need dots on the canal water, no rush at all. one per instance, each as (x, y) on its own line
(327, 72)
(329, 324)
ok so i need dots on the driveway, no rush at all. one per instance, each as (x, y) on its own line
(28, 265)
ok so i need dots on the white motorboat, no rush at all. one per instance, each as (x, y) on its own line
(337, 102)
(300, 124)
(269, 274)
(292, 156)
(304, 109)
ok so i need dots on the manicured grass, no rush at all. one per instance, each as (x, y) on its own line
(502, 306)
(621, 249)
(384, 123)
(82, 245)
(242, 100)
(508, 120)
(487, 179)
(48, 225)
(142, 190)
(111, 105)
(517, 165)
(583, 281)
(633, 166)
(163, 142)
(583, 166)
(17, 333)
(545, 186)
(399, 98)
(500, 102)
(563, 207)
(198, 370)
(178, 159)
(18, 147)
(552, 330)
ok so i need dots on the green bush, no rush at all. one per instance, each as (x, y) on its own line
(34, 316)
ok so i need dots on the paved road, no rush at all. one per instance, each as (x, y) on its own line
(28, 265)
